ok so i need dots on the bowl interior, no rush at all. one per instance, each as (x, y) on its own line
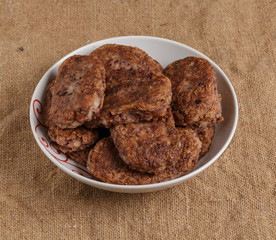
(165, 51)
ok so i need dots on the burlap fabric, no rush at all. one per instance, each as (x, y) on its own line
(233, 199)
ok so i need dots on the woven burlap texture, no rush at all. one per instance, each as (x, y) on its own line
(232, 199)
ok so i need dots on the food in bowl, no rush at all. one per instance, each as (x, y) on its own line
(136, 100)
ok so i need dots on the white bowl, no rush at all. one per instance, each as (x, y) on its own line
(165, 51)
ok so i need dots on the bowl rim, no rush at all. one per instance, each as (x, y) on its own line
(154, 186)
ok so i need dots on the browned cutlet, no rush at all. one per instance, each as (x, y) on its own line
(195, 99)
(190, 150)
(129, 60)
(79, 156)
(148, 146)
(136, 100)
(78, 91)
(206, 135)
(74, 139)
(136, 89)
(105, 164)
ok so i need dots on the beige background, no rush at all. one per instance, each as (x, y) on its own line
(233, 199)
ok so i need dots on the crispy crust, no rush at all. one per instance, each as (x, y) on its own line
(105, 164)
(136, 100)
(129, 60)
(73, 139)
(190, 150)
(136, 89)
(79, 156)
(195, 98)
(206, 135)
(78, 91)
(148, 146)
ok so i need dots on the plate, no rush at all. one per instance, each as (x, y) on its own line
(164, 51)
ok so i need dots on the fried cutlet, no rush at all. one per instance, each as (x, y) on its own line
(79, 156)
(148, 146)
(190, 150)
(206, 135)
(195, 99)
(105, 163)
(74, 139)
(129, 60)
(136, 89)
(78, 91)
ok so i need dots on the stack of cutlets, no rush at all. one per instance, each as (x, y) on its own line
(129, 121)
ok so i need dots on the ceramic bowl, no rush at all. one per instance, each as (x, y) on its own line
(165, 51)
